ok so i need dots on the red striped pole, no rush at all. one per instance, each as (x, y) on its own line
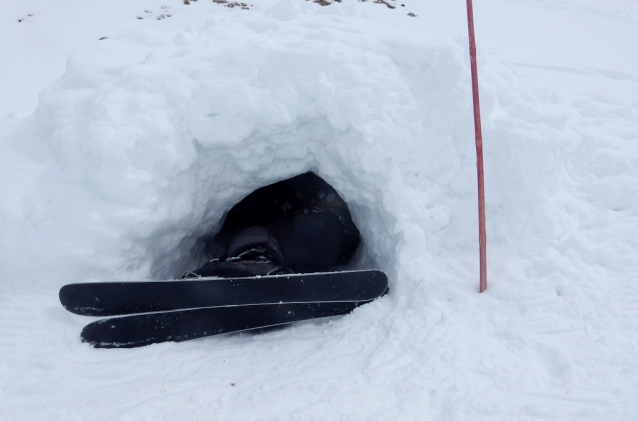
(479, 150)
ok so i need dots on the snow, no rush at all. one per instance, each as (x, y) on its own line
(118, 154)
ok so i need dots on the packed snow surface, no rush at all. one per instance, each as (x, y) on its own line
(128, 129)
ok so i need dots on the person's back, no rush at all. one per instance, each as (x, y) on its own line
(300, 224)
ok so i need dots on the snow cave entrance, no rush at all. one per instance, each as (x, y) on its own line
(202, 234)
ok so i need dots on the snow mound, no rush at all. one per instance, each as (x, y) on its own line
(165, 132)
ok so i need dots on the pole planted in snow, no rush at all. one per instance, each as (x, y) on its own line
(479, 150)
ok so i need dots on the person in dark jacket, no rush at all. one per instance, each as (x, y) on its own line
(298, 225)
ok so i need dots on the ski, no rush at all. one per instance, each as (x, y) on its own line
(119, 298)
(181, 325)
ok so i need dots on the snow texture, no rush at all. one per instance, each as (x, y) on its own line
(119, 153)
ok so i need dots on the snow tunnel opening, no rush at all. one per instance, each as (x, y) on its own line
(196, 201)
(298, 199)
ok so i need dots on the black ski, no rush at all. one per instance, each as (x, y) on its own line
(118, 298)
(145, 329)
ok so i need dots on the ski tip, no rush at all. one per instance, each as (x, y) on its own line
(69, 300)
(66, 296)
(97, 334)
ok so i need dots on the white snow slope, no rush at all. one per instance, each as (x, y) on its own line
(137, 144)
